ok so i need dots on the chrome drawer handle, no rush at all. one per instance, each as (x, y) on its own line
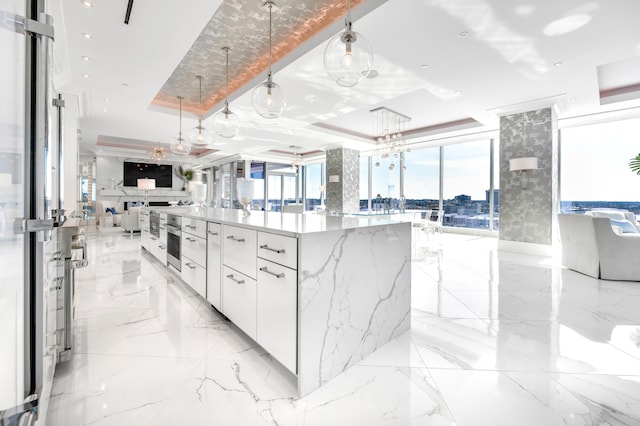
(190, 239)
(189, 265)
(163, 227)
(213, 233)
(153, 238)
(238, 240)
(266, 247)
(161, 246)
(280, 275)
(230, 276)
(189, 226)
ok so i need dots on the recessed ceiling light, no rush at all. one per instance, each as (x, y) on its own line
(458, 92)
(463, 34)
(107, 99)
(104, 110)
(572, 100)
(86, 36)
(424, 66)
(124, 84)
(86, 75)
(86, 3)
(557, 64)
(86, 58)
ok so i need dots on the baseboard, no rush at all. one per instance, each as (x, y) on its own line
(526, 248)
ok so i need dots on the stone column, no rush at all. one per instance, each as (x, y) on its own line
(528, 207)
(343, 180)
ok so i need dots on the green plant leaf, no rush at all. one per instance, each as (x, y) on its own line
(634, 164)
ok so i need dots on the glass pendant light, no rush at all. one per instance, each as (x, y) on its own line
(268, 98)
(348, 56)
(225, 122)
(179, 146)
(199, 136)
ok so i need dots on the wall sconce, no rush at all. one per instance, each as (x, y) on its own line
(522, 166)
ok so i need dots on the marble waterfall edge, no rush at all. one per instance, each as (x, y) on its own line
(354, 296)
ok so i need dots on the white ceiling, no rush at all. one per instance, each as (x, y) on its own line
(428, 70)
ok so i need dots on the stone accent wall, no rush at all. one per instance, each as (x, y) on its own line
(343, 196)
(529, 214)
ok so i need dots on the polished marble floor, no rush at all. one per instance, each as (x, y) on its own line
(497, 339)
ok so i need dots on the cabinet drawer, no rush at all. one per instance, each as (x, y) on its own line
(277, 305)
(194, 275)
(239, 249)
(214, 261)
(239, 300)
(195, 248)
(195, 227)
(279, 249)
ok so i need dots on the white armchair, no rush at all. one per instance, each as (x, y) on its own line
(619, 253)
(131, 221)
(590, 245)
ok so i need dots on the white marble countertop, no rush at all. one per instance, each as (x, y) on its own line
(292, 224)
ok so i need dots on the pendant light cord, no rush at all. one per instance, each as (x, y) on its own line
(270, 31)
(226, 96)
(180, 131)
(199, 77)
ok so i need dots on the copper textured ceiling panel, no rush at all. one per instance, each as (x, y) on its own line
(243, 25)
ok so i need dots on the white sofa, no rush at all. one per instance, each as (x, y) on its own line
(592, 246)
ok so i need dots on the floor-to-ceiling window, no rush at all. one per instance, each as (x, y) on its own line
(594, 166)
(466, 184)
(421, 178)
(364, 183)
(385, 183)
(314, 189)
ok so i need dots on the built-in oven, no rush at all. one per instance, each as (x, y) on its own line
(174, 234)
(154, 224)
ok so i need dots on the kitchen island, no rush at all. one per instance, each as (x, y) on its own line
(319, 293)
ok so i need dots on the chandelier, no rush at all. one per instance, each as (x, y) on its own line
(388, 126)
(158, 153)
(297, 161)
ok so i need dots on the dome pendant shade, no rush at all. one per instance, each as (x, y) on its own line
(348, 57)
(226, 123)
(200, 136)
(269, 99)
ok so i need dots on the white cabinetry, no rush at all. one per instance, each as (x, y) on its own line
(240, 249)
(239, 300)
(276, 316)
(194, 254)
(214, 259)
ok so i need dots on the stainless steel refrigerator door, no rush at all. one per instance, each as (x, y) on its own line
(12, 195)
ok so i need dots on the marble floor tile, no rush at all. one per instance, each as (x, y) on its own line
(490, 398)
(466, 344)
(496, 339)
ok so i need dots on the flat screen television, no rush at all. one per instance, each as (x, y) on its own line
(162, 173)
